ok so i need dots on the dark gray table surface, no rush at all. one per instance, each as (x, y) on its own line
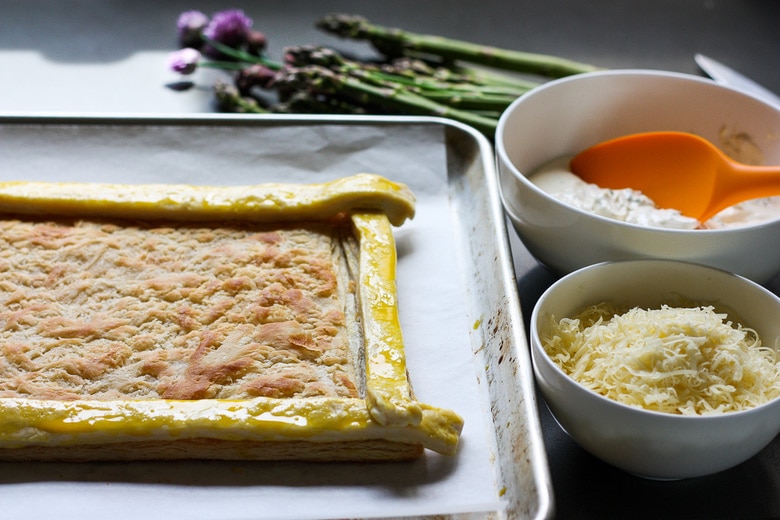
(97, 37)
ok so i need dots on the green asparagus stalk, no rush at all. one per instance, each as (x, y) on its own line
(492, 78)
(304, 102)
(457, 95)
(442, 86)
(320, 80)
(395, 43)
(434, 83)
(422, 75)
(412, 73)
(230, 100)
(422, 71)
(470, 101)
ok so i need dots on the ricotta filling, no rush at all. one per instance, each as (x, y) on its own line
(632, 206)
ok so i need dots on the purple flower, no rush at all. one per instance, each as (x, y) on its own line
(184, 61)
(229, 27)
(189, 27)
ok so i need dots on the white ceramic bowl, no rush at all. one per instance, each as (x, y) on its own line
(646, 443)
(568, 115)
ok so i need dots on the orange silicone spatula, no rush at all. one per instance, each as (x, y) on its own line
(677, 170)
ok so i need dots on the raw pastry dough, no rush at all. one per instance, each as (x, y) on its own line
(173, 321)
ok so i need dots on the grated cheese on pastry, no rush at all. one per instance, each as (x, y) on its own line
(106, 311)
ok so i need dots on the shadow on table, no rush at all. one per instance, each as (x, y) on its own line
(399, 476)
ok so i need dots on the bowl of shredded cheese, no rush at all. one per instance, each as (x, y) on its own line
(567, 223)
(665, 369)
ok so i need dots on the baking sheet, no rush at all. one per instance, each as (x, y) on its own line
(458, 310)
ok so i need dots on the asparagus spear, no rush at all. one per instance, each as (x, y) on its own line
(231, 100)
(427, 75)
(440, 85)
(440, 80)
(395, 43)
(316, 79)
(304, 102)
(486, 80)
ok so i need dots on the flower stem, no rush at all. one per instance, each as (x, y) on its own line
(241, 56)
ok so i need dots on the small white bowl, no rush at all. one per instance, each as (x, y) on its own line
(565, 116)
(652, 444)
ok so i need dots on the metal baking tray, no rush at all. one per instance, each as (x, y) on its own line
(234, 149)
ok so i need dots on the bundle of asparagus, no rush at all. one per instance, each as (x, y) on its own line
(417, 75)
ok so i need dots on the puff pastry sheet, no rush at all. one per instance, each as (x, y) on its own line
(383, 421)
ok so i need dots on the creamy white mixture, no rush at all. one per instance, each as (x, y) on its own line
(634, 207)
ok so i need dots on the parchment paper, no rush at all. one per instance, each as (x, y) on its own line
(432, 309)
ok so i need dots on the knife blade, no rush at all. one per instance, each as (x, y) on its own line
(727, 76)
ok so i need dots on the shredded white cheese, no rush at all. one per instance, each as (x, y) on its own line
(689, 361)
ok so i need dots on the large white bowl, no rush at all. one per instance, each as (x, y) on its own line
(646, 443)
(568, 115)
